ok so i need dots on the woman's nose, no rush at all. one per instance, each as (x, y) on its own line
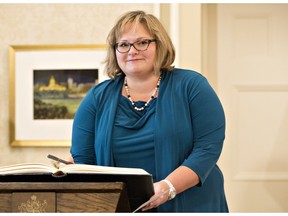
(133, 50)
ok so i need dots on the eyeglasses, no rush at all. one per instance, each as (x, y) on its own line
(141, 45)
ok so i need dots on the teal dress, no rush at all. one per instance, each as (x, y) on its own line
(133, 136)
(185, 126)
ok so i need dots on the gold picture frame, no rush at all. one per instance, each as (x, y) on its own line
(24, 60)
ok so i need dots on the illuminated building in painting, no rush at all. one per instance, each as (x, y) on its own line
(53, 86)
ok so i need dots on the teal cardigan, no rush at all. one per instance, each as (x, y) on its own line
(189, 131)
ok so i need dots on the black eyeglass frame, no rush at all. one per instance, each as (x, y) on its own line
(132, 44)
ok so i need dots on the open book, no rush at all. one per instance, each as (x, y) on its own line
(139, 183)
(31, 168)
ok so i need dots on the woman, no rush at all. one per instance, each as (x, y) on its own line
(150, 115)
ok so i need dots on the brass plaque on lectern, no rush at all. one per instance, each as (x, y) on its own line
(30, 202)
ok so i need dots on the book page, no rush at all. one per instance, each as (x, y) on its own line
(26, 168)
(85, 168)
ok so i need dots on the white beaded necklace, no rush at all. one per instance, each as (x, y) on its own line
(147, 103)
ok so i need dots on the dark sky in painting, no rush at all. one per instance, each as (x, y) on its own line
(78, 75)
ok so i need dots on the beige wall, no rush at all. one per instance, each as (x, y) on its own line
(38, 24)
(184, 23)
(190, 37)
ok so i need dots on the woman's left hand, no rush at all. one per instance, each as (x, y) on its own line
(161, 195)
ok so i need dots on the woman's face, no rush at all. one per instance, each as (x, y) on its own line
(136, 62)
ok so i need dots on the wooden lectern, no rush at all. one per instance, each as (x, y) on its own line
(74, 193)
(63, 197)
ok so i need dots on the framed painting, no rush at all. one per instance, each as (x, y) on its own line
(47, 84)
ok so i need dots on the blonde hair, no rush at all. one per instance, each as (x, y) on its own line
(165, 52)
